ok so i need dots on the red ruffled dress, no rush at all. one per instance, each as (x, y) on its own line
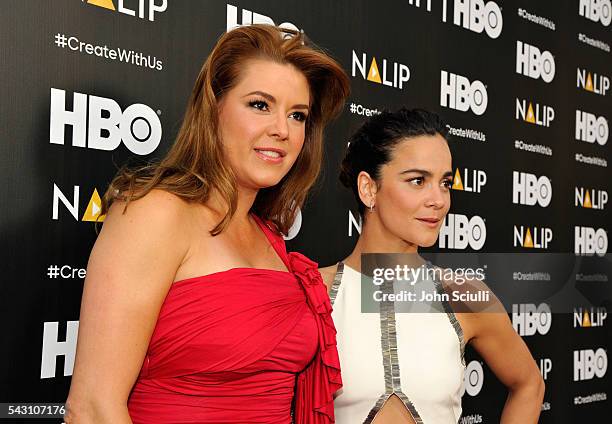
(239, 346)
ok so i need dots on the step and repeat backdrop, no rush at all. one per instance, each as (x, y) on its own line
(89, 85)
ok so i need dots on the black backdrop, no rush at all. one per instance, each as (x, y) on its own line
(524, 86)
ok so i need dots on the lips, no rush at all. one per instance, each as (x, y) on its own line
(430, 222)
(270, 155)
(271, 152)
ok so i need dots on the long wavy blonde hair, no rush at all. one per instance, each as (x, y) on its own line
(194, 165)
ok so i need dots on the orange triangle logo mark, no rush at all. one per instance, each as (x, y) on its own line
(586, 321)
(373, 74)
(457, 183)
(530, 116)
(589, 83)
(528, 240)
(587, 200)
(107, 4)
(92, 214)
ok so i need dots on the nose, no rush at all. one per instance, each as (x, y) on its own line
(436, 197)
(279, 127)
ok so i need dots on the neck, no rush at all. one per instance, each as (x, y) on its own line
(246, 198)
(376, 238)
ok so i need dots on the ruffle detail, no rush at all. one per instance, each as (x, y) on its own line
(316, 385)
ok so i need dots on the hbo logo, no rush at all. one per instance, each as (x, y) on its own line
(459, 232)
(533, 63)
(477, 16)
(589, 241)
(98, 123)
(249, 18)
(589, 363)
(527, 318)
(527, 189)
(456, 92)
(591, 128)
(473, 379)
(596, 10)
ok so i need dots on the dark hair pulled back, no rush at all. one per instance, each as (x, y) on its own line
(372, 145)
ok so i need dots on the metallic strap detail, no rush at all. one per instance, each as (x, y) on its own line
(377, 406)
(451, 316)
(333, 291)
(389, 344)
(388, 338)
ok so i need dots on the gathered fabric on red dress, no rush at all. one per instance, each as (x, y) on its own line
(239, 346)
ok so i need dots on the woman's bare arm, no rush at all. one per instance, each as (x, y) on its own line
(130, 270)
(489, 331)
(509, 358)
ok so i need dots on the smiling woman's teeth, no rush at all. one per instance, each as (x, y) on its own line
(269, 153)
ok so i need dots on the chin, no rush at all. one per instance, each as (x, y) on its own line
(427, 244)
(427, 241)
(262, 183)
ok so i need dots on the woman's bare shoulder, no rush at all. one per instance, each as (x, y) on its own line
(158, 219)
(156, 202)
(157, 210)
(472, 300)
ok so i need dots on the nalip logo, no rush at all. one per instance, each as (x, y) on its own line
(593, 82)
(545, 365)
(533, 238)
(590, 317)
(393, 74)
(541, 115)
(144, 9)
(92, 210)
(472, 181)
(590, 199)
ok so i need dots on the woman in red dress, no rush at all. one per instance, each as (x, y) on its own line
(193, 311)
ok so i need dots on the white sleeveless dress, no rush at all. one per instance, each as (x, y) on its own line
(416, 356)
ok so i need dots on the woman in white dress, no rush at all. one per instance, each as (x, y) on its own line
(409, 367)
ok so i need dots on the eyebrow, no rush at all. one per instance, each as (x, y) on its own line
(425, 172)
(271, 98)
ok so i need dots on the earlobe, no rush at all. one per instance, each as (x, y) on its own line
(367, 189)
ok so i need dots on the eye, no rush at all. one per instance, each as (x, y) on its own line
(259, 104)
(417, 181)
(448, 184)
(298, 116)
